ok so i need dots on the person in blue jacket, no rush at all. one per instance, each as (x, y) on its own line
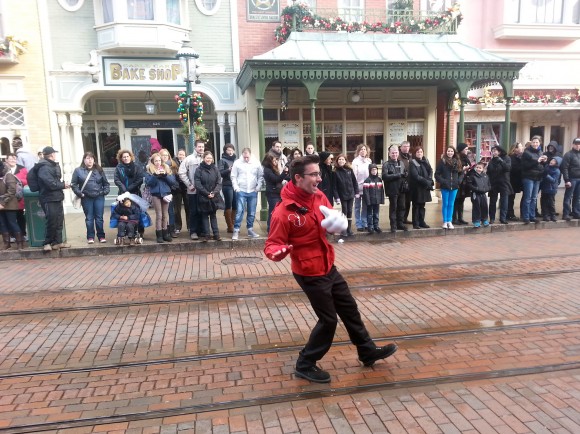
(160, 181)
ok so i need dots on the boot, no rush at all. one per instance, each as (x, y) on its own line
(229, 220)
(217, 237)
(460, 220)
(6, 239)
(19, 240)
(172, 231)
(159, 235)
(166, 235)
(348, 230)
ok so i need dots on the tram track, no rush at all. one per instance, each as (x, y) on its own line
(290, 397)
(282, 292)
(276, 348)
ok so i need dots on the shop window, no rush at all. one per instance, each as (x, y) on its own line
(333, 114)
(351, 10)
(270, 114)
(290, 115)
(173, 12)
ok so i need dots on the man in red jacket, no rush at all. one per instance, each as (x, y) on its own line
(298, 228)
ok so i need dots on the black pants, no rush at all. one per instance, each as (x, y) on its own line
(21, 219)
(205, 229)
(397, 209)
(373, 216)
(330, 296)
(503, 205)
(54, 213)
(418, 214)
(194, 215)
(346, 206)
(126, 228)
(178, 199)
(479, 211)
(548, 205)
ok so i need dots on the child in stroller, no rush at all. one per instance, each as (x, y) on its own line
(125, 216)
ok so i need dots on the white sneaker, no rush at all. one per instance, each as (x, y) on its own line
(450, 225)
(194, 236)
(236, 234)
(444, 225)
(252, 234)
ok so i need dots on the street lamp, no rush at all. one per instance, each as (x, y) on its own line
(189, 71)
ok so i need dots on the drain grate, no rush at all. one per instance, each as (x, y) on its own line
(242, 260)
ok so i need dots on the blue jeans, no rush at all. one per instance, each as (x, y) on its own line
(273, 200)
(245, 201)
(448, 202)
(8, 223)
(572, 199)
(360, 212)
(93, 208)
(529, 198)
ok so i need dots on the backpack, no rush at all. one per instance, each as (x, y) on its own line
(32, 178)
(19, 187)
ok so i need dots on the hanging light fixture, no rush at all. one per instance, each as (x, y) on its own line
(284, 98)
(355, 95)
(150, 103)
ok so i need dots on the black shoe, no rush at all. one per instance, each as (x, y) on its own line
(407, 222)
(378, 230)
(360, 229)
(577, 217)
(402, 227)
(416, 227)
(380, 353)
(424, 225)
(393, 230)
(503, 222)
(462, 222)
(526, 222)
(370, 231)
(567, 218)
(513, 218)
(536, 220)
(554, 219)
(492, 222)
(314, 374)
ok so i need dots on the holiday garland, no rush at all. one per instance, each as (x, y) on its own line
(492, 97)
(304, 17)
(195, 107)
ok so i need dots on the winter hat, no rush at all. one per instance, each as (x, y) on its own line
(372, 166)
(461, 147)
(502, 152)
(324, 156)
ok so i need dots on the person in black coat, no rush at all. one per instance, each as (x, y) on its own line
(129, 176)
(479, 187)
(498, 172)
(395, 182)
(274, 182)
(225, 167)
(532, 172)
(464, 185)
(327, 175)
(345, 188)
(127, 215)
(374, 197)
(208, 183)
(515, 155)
(50, 198)
(421, 184)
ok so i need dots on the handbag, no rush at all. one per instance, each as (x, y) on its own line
(147, 194)
(76, 201)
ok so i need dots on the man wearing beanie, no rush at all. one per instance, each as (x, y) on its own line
(50, 198)
(464, 189)
(327, 175)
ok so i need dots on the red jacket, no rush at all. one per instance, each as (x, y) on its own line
(296, 221)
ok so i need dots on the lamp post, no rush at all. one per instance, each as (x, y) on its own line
(187, 59)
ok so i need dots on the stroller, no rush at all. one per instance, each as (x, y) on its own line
(144, 218)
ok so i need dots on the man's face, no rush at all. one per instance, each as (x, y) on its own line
(277, 147)
(199, 147)
(576, 146)
(230, 151)
(50, 157)
(309, 182)
(535, 143)
(405, 148)
(246, 155)
(393, 153)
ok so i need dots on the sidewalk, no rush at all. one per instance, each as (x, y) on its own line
(76, 234)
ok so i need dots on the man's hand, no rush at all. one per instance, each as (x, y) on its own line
(568, 184)
(283, 251)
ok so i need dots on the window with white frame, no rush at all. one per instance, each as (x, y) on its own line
(140, 10)
(351, 10)
(436, 5)
(159, 11)
(548, 11)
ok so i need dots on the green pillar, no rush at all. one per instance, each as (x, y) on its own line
(461, 133)
(507, 125)
(313, 132)
(262, 138)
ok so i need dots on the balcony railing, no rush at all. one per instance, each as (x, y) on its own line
(299, 17)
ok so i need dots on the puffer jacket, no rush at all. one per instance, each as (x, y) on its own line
(96, 186)
(133, 212)
(373, 191)
(345, 184)
(160, 185)
(531, 169)
(570, 166)
(498, 171)
(448, 175)
(480, 183)
(225, 167)
(551, 180)
(208, 180)
(50, 185)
